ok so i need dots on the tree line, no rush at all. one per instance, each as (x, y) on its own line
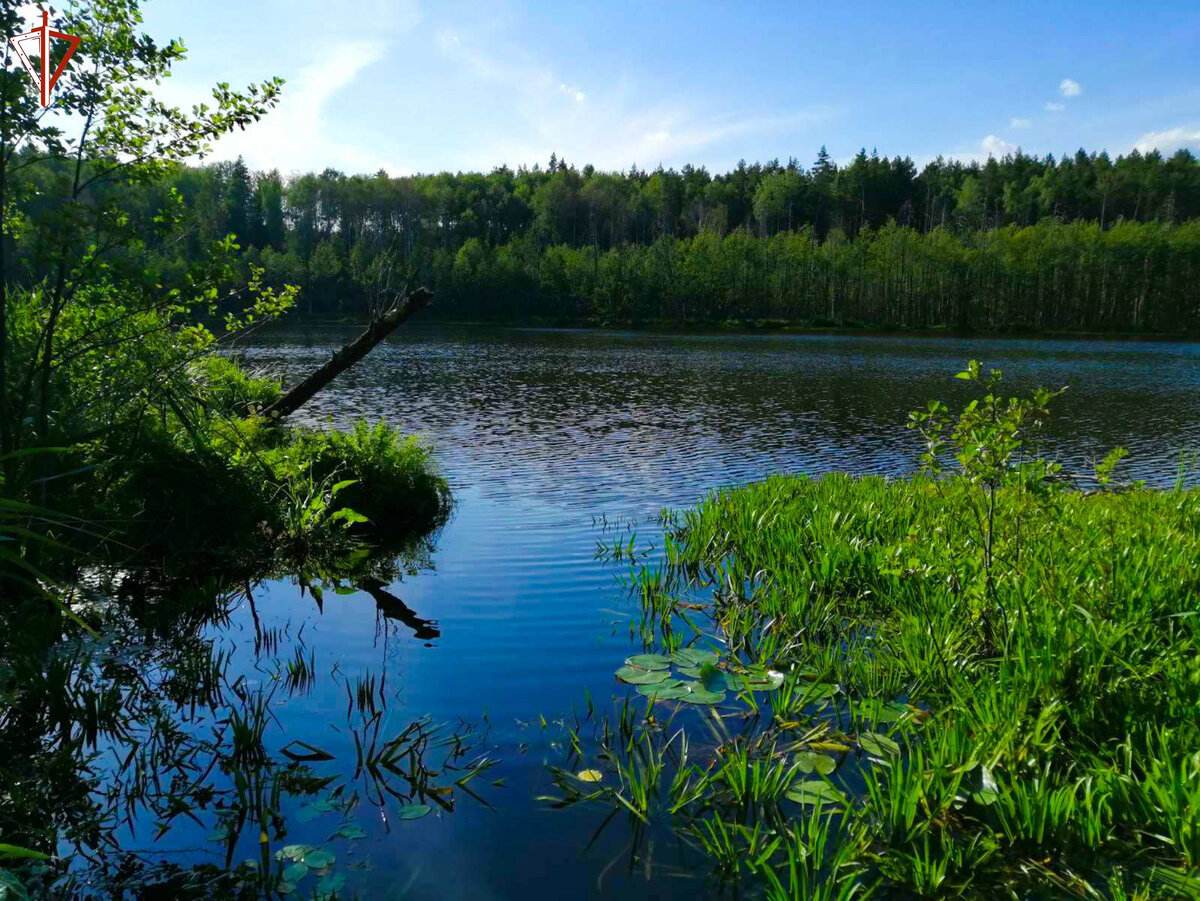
(1078, 242)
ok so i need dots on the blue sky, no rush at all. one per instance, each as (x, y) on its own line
(422, 86)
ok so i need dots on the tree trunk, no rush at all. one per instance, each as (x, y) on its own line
(380, 327)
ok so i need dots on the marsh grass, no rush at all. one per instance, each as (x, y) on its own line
(993, 673)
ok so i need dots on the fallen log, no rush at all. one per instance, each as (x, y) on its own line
(380, 327)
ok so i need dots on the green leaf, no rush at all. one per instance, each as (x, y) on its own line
(819, 691)
(285, 887)
(694, 657)
(876, 711)
(634, 676)
(295, 872)
(712, 678)
(677, 690)
(293, 852)
(810, 762)
(9, 852)
(666, 689)
(413, 811)
(319, 859)
(878, 745)
(330, 886)
(649, 661)
(987, 792)
(351, 831)
(701, 695)
(755, 679)
(814, 792)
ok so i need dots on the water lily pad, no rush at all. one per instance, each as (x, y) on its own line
(815, 791)
(319, 859)
(701, 695)
(295, 872)
(220, 834)
(878, 745)
(649, 661)
(694, 657)
(413, 811)
(330, 885)
(311, 811)
(874, 710)
(712, 678)
(634, 676)
(761, 679)
(677, 690)
(285, 887)
(293, 852)
(351, 831)
(666, 689)
(589, 776)
(808, 762)
(754, 679)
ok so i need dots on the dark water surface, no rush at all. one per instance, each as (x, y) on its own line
(544, 435)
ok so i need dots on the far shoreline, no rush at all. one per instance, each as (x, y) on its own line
(764, 327)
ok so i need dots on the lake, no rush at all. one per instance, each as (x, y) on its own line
(555, 441)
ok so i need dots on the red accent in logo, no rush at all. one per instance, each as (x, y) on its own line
(44, 79)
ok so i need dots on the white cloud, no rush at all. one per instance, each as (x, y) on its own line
(574, 93)
(1068, 87)
(1055, 107)
(610, 128)
(297, 132)
(997, 147)
(1170, 140)
(1020, 123)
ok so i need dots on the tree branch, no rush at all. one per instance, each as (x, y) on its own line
(343, 359)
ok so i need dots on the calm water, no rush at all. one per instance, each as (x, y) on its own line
(543, 434)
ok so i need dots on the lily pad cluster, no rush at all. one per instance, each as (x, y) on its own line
(300, 860)
(697, 678)
(819, 760)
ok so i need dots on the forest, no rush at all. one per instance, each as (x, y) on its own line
(1078, 243)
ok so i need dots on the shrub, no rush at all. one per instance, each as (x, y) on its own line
(395, 482)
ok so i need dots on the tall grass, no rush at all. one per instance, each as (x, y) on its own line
(1009, 666)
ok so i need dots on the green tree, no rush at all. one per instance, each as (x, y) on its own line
(94, 333)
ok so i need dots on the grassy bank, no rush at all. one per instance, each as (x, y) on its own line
(982, 684)
(205, 481)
